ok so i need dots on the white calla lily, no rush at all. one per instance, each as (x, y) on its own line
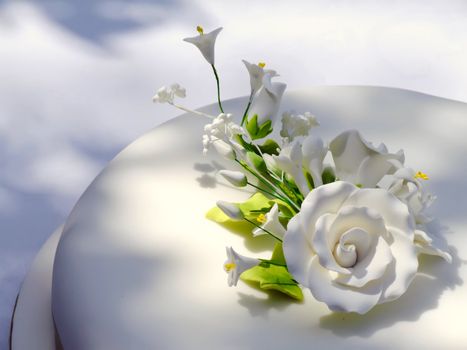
(360, 162)
(257, 72)
(205, 43)
(270, 222)
(267, 101)
(236, 264)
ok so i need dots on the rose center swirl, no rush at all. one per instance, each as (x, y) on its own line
(351, 247)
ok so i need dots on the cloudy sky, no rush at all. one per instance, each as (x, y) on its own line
(77, 77)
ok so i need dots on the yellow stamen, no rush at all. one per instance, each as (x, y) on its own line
(200, 30)
(229, 266)
(262, 64)
(261, 218)
(420, 175)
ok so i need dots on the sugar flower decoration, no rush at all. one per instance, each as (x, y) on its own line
(166, 94)
(294, 125)
(270, 222)
(360, 162)
(205, 43)
(348, 219)
(266, 103)
(236, 264)
(257, 73)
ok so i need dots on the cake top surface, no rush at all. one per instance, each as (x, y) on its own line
(139, 266)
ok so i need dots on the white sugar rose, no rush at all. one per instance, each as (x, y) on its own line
(353, 248)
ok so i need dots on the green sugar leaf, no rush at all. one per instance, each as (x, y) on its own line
(270, 147)
(258, 162)
(251, 208)
(273, 277)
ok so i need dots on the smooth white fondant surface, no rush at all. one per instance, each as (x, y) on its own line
(33, 326)
(138, 266)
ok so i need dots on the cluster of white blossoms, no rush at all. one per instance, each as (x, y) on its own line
(220, 134)
(166, 94)
(349, 218)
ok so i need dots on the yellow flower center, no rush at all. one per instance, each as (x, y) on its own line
(200, 30)
(420, 175)
(262, 64)
(261, 218)
(229, 266)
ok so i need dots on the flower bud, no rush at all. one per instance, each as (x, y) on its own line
(231, 210)
(236, 178)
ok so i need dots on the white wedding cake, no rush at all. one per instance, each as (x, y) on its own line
(137, 265)
(360, 258)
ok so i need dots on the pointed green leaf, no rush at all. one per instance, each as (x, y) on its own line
(270, 147)
(278, 254)
(264, 130)
(258, 162)
(328, 175)
(269, 276)
(217, 215)
(252, 126)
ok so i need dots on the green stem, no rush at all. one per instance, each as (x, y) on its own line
(272, 262)
(270, 186)
(247, 109)
(263, 190)
(218, 88)
(268, 232)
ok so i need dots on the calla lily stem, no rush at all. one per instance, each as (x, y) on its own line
(247, 109)
(218, 88)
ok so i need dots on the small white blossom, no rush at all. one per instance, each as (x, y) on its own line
(236, 178)
(270, 222)
(294, 125)
(205, 43)
(166, 94)
(236, 264)
(404, 184)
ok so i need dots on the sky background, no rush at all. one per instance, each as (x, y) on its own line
(77, 77)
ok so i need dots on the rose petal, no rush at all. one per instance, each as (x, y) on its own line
(322, 246)
(403, 269)
(297, 251)
(431, 245)
(323, 200)
(394, 212)
(373, 168)
(348, 151)
(371, 267)
(339, 297)
(350, 217)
